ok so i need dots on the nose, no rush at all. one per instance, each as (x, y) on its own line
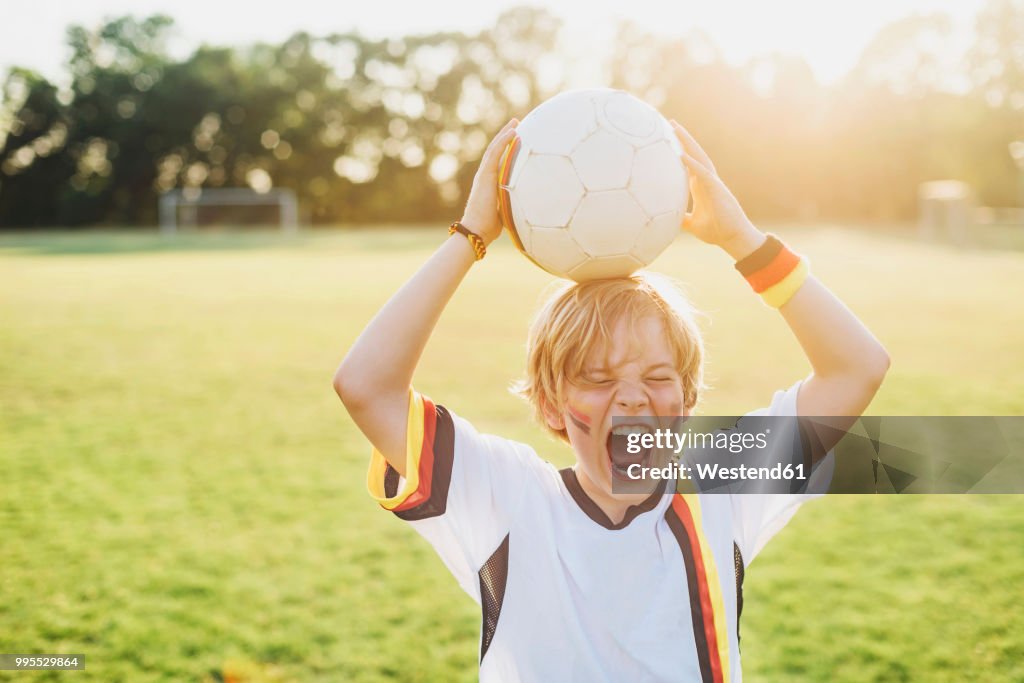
(631, 397)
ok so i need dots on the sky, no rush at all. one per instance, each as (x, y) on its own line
(829, 34)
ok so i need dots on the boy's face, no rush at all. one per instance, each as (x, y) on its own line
(635, 377)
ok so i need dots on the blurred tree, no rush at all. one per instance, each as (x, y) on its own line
(910, 56)
(760, 123)
(997, 58)
(33, 135)
(997, 73)
(390, 130)
(362, 130)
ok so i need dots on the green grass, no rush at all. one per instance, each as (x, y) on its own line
(183, 495)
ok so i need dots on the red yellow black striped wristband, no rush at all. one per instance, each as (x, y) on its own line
(774, 272)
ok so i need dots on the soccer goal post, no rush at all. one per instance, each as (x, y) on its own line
(181, 208)
(945, 210)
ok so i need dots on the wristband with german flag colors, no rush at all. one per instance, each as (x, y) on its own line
(774, 272)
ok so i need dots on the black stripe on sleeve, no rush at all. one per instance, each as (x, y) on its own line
(760, 257)
(444, 455)
(391, 477)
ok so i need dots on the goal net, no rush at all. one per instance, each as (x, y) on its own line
(230, 206)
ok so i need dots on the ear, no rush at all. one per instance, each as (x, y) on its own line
(552, 416)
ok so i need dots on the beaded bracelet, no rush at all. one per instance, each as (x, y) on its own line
(479, 248)
(774, 272)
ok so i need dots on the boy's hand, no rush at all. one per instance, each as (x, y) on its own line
(717, 217)
(481, 214)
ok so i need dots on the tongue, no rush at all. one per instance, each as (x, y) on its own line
(621, 457)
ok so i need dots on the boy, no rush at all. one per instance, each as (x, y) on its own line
(579, 582)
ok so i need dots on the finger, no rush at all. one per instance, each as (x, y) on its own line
(698, 169)
(503, 134)
(691, 146)
(498, 144)
(489, 165)
(698, 200)
(696, 214)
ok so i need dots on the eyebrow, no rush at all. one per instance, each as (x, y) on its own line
(656, 366)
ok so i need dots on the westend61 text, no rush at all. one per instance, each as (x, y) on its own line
(714, 472)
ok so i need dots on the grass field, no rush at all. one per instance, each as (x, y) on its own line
(183, 495)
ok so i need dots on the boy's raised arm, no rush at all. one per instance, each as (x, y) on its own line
(848, 362)
(373, 379)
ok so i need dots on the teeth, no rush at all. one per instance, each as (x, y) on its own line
(626, 430)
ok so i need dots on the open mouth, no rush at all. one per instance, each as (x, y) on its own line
(620, 457)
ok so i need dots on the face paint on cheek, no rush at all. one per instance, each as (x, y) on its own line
(580, 419)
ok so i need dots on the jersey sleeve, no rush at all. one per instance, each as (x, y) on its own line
(758, 517)
(461, 490)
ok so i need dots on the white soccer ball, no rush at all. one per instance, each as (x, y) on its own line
(593, 186)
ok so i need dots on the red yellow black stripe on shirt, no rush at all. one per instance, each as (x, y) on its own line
(430, 449)
(707, 608)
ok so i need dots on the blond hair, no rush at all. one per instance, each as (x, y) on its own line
(579, 317)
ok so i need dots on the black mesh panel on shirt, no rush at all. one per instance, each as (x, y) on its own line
(737, 558)
(493, 576)
(391, 482)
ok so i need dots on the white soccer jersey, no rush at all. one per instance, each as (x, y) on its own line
(565, 594)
